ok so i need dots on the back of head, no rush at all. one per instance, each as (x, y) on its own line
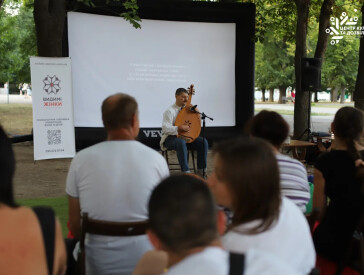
(118, 110)
(182, 213)
(270, 126)
(181, 91)
(348, 126)
(7, 169)
(249, 168)
(348, 123)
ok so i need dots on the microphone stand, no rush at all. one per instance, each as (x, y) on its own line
(203, 117)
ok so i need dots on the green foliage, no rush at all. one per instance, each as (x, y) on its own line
(275, 16)
(275, 35)
(17, 43)
(131, 10)
(131, 13)
(274, 63)
(275, 48)
(88, 3)
(341, 64)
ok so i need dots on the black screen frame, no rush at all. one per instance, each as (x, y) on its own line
(242, 14)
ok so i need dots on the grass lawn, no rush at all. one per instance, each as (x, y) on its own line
(16, 119)
(59, 205)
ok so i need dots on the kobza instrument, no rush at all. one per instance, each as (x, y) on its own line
(188, 116)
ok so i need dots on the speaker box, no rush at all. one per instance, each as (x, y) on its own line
(311, 74)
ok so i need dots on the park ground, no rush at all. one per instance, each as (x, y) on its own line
(35, 180)
(46, 178)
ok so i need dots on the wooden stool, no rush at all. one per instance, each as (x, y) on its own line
(171, 165)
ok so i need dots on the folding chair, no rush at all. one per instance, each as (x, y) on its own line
(172, 165)
(106, 228)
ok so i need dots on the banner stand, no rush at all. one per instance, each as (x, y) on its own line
(53, 124)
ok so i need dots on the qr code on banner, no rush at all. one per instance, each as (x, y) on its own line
(54, 137)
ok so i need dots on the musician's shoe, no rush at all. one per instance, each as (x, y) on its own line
(200, 173)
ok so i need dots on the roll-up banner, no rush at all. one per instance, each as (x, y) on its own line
(53, 125)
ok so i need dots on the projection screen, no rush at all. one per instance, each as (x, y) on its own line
(208, 44)
(109, 56)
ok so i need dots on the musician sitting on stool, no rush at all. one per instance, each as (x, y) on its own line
(170, 141)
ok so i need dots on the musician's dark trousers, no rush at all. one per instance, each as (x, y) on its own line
(181, 147)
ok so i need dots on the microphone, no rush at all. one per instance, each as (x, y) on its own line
(192, 109)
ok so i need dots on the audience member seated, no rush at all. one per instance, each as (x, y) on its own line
(184, 222)
(338, 178)
(272, 127)
(246, 180)
(112, 181)
(23, 246)
(153, 262)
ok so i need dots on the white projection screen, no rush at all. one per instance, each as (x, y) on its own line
(208, 44)
(109, 56)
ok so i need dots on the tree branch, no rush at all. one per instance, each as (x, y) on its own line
(323, 37)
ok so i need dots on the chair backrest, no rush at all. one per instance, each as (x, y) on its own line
(312, 218)
(106, 228)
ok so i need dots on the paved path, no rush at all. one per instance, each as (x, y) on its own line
(320, 121)
(4, 99)
(320, 109)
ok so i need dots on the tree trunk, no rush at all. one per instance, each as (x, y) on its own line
(1, 3)
(271, 95)
(315, 96)
(323, 37)
(324, 23)
(263, 94)
(358, 96)
(282, 95)
(302, 100)
(342, 95)
(334, 94)
(49, 18)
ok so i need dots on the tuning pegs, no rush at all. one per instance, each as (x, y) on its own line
(191, 89)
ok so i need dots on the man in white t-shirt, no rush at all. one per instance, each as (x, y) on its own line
(112, 181)
(184, 222)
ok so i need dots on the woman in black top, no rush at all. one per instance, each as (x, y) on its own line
(338, 180)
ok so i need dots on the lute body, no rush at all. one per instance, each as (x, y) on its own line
(190, 118)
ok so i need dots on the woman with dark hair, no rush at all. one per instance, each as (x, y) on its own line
(24, 248)
(246, 180)
(338, 178)
(272, 127)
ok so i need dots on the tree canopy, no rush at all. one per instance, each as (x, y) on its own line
(17, 41)
(286, 31)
